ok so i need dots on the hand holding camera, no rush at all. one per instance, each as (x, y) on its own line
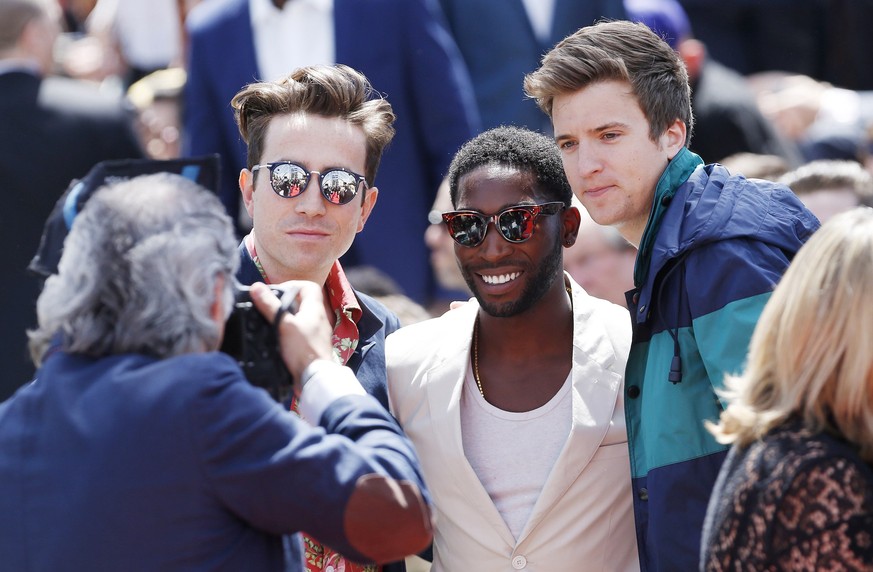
(304, 335)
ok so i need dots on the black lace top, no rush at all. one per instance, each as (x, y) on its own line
(793, 501)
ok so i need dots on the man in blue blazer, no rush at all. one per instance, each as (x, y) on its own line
(406, 53)
(502, 40)
(139, 447)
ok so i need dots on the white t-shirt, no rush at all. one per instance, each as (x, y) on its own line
(148, 32)
(513, 453)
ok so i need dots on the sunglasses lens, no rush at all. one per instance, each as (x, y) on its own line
(467, 229)
(516, 225)
(339, 187)
(288, 180)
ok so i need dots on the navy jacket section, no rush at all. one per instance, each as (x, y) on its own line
(132, 463)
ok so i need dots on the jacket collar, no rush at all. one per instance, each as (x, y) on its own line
(597, 381)
(677, 172)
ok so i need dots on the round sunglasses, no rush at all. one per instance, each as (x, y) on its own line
(338, 186)
(515, 224)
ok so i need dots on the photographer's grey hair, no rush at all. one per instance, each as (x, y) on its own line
(138, 272)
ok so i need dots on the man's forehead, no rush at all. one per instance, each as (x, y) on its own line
(497, 186)
(315, 141)
(497, 174)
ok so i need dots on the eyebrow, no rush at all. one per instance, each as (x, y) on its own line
(598, 129)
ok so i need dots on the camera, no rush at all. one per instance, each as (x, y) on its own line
(253, 342)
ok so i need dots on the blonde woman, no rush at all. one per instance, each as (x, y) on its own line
(796, 491)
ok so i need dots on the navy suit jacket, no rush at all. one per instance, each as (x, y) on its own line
(52, 130)
(407, 54)
(132, 463)
(499, 47)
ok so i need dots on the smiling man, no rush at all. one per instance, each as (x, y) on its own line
(711, 246)
(514, 400)
(315, 139)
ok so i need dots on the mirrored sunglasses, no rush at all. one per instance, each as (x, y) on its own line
(515, 224)
(338, 186)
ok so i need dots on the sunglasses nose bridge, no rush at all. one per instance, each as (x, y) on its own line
(311, 203)
(493, 245)
(313, 178)
(486, 221)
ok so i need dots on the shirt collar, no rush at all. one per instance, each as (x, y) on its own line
(264, 10)
(19, 65)
(341, 295)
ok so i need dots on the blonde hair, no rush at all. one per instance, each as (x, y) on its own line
(810, 356)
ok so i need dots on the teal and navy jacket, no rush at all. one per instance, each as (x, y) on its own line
(714, 248)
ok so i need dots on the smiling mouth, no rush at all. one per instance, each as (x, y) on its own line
(500, 279)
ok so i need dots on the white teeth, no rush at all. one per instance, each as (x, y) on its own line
(502, 279)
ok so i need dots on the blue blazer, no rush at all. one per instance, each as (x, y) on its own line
(133, 463)
(500, 48)
(53, 130)
(407, 54)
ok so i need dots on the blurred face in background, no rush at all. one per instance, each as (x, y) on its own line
(826, 203)
(601, 261)
(39, 36)
(441, 245)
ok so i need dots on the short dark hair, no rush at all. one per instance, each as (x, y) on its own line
(515, 147)
(618, 51)
(328, 91)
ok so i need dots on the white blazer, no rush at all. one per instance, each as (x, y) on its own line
(583, 519)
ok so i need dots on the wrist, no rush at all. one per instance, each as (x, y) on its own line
(322, 382)
(313, 368)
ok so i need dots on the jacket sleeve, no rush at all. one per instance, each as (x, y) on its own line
(727, 284)
(353, 482)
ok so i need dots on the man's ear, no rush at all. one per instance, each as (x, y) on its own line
(673, 139)
(367, 206)
(217, 310)
(247, 188)
(570, 225)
